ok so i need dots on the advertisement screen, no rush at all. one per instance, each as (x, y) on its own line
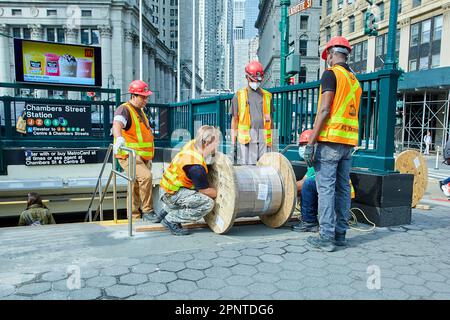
(55, 63)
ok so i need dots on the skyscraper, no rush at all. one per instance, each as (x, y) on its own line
(251, 14)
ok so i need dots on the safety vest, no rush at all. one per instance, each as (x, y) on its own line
(342, 125)
(244, 116)
(138, 137)
(174, 176)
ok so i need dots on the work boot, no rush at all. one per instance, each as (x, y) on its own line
(161, 215)
(339, 240)
(305, 227)
(320, 243)
(175, 228)
(150, 216)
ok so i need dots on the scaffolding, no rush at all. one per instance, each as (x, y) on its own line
(419, 112)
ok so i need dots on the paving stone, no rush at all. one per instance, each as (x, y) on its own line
(289, 275)
(271, 258)
(218, 272)
(314, 272)
(292, 256)
(315, 263)
(265, 277)
(395, 294)
(274, 250)
(411, 280)
(320, 294)
(155, 259)
(13, 278)
(64, 285)
(313, 282)
(229, 253)
(284, 295)
(87, 273)
(120, 291)
(140, 297)
(181, 257)
(204, 294)
(162, 276)
(173, 266)
(127, 262)
(417, 291)
(115, 271)
(404, 270)
(211, 283)
(172, 296)
(151, 289)
(85, 294)
(262, 288)
(199, 264)
(54, 276)
(341, 291)
(438, 287)
(145, 268)
(254, 296)
(17, 297)
(296, 249)
(252, 252)
(205, 255)
(239, 280)
(52, 295)
(249, 260)
(293, 266)
(268, 267)
(133, 279)
(440, 296)
(244, 270)
(6, 290)
(190, 274)
(182, 286)
(289, 285)
(431, 276)
(101, 282)
(224, 262)
(257, 245)
(233, 292)
(35, 288)
(276, 244)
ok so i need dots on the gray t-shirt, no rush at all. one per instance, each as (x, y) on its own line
(255, 101)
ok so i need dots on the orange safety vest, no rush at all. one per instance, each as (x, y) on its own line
(174, 176)
(342, 125)
(138, 137)
(244, 116)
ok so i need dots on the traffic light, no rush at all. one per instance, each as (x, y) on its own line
(370, 26)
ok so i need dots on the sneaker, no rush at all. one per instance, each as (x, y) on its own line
(305, 227)
(175, 228)
(339, 240)
(320, 244)
(150, 216)
(445, 190)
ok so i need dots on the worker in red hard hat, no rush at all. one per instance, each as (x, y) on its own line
(330, 145)
(131, 129)
(252, 110)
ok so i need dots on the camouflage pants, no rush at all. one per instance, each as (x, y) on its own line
(186, 205)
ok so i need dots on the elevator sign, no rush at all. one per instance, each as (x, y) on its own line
(305, 4)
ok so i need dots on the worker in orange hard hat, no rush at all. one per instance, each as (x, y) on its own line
(252, 110)
(131, 128)
(330, 145)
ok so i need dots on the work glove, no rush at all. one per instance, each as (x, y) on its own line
(309, 155)
(120, 142)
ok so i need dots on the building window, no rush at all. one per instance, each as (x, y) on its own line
(61, 36)
(351, 24)
(17, 33)
(304, 22)
(51, 35)
(26, 33)
(302, 75)
(16, 12)
(51, 13)
(414, 34)
(400, 6)
(327, 34)
(381, 11)
(381, 44)
(358, 57)
(340, 4)
(426, 31)
(86, 13)
(329, 7)
(339, 28)
(437, 30)
(435, 60)
(362, 18)
(416, 3)
(303, 48)
(90, 36)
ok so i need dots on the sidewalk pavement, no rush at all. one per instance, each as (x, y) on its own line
(91, 261)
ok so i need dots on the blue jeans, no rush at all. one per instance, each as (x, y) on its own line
(446, 181)
(309, 201)
(332, 163)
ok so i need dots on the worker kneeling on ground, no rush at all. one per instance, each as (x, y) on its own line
(131, 129)
(187, 196)
(307, 191)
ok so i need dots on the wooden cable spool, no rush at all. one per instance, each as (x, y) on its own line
(413, 162)
(267, 190)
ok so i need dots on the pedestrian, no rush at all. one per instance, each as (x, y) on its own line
(336, 133)
(36, 213)
(252, 114)
(307, 190)
(187, 195)
(427, 139)
(131, 129)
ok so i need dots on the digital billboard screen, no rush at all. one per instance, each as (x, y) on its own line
(56, 63)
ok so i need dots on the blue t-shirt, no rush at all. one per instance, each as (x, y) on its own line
(197, 174)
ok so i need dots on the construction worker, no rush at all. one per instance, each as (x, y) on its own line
(307, 190)
(187, 195)
(131, 129)
(336, 133)
(252, 110)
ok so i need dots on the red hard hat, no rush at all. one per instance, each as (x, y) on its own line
(337, 41)
(255, 70)
(304, 136)
(139, 87)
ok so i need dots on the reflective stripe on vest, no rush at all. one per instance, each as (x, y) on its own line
(244, 124)
(340, 128)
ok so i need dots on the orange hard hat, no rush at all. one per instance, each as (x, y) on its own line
(255, 70)
(337, 41)
(139, 87)
(304, 136)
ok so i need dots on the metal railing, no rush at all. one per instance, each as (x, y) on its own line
(130, 177)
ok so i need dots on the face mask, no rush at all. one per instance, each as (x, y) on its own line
(254, 85)
(301, 152)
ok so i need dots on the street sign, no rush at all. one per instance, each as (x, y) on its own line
(305, 4)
